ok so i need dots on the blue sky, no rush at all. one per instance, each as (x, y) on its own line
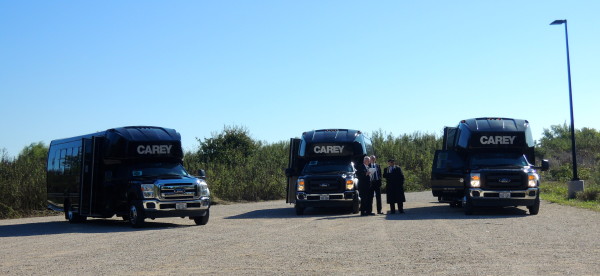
(279, 68)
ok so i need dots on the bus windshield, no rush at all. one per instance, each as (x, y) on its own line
(328, 166)
(157, 169)
(497, 159)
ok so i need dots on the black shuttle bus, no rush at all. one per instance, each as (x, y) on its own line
(487, 162)
(321, 168)
(133, 172)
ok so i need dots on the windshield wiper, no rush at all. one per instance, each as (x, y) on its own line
(507, 165)
(169, 175)
(476, 167)
(322, 172)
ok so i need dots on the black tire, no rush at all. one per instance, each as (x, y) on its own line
(299, 210)
(72, 216)
(535, 208)
(468, 206)
(203, 220)
(355, 205)
(136, 214)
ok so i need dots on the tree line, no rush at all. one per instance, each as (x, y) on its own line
(240, 168)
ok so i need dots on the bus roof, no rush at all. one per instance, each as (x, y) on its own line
(491, 124)
(331, 135)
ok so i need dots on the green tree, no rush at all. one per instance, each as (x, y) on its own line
(413, 152)
(231, 146)
(23, 181)
(555, 145)
(240, 168)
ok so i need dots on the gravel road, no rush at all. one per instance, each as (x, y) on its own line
(268, 238)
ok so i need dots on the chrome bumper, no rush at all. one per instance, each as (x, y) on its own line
(154, 205)
(345, 196)
(480, 197)
(530, 193)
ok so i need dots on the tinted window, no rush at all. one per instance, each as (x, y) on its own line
(156, 169)
(327, 166)
(498, 159)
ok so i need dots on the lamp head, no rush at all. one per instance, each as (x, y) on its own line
(558, 22)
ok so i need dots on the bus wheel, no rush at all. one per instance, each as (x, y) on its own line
(535, 208)
(136, 214)
(468, 205)
(355, 205)
(71, 216)
(299, 210)
(203, 220)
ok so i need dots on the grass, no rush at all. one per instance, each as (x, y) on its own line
(557, 192)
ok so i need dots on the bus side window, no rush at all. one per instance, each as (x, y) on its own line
(68, 161)
(61, 163)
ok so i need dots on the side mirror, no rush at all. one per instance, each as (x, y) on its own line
(201, 174)
(545, 165)
(289, 172)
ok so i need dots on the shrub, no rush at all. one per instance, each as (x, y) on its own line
(588, 195)
(6, 212)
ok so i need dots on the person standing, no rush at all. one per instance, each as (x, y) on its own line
(395, 186)
(376, 183)
(364, 187)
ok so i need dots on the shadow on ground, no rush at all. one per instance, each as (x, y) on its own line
(434, 212)
(89, 226)
(290, 212)
(445, 212)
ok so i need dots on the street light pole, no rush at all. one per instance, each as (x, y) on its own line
(574, 155)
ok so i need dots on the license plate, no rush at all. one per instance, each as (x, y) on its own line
(324, 197)
(180, 206)
(505, 195)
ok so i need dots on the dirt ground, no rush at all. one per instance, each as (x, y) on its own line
(268, 238)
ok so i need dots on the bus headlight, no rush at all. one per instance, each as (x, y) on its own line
(475, 180)
(300, 186)
(532, 180)
(349, 185)
(148, 190)
(203, 186)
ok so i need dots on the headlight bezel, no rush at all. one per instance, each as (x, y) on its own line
(532, 180)
(148, 190)
(203, 190)
(349, 184)
(300, 185)
(475, 180)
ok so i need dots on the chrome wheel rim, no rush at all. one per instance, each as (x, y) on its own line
(133, 214)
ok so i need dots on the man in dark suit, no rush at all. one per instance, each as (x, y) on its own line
(376, 182)
(395, 186)
(364, 187)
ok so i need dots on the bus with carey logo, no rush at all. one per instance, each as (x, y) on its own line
(132, 172)
(321, 169)
(487, 162)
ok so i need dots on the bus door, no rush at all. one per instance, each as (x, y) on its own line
(89, 180)
(293, 170)
(447, 175)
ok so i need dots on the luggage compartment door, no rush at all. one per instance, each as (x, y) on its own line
(293, 170)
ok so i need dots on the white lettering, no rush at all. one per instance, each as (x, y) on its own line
(154, 149)
(329, 149)
(497, 140)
